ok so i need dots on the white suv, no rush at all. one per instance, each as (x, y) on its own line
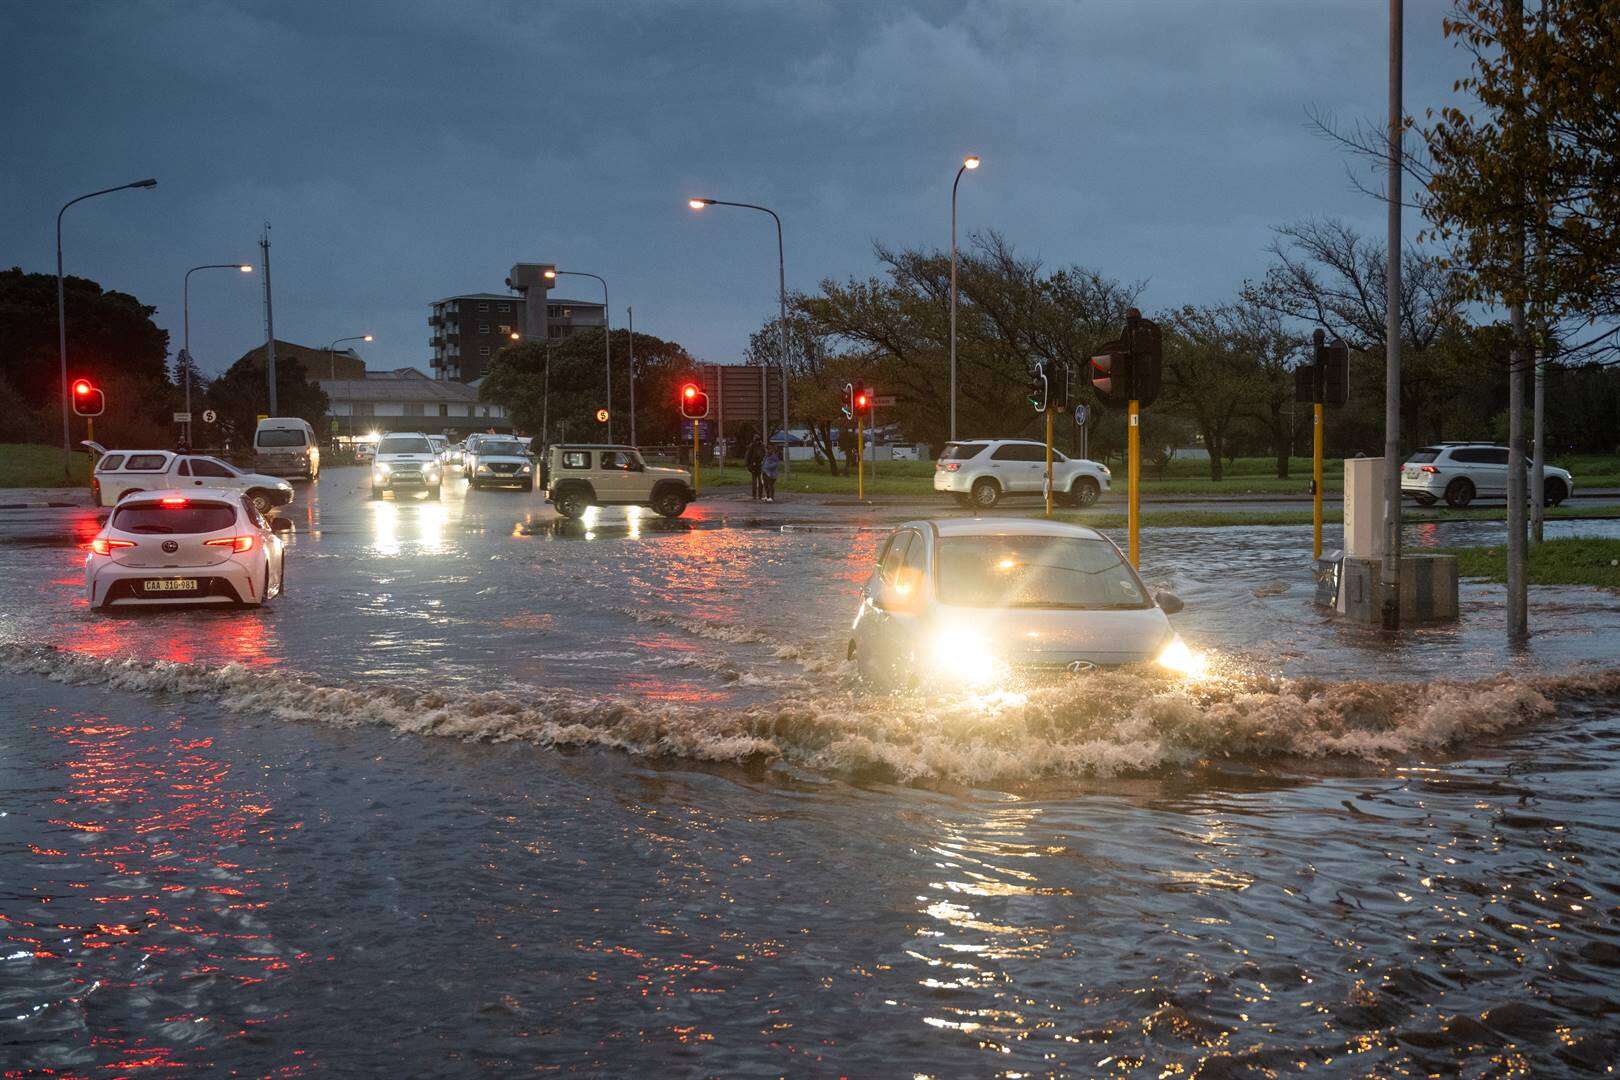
(982, 472)
(406, 461)
(1462, 472)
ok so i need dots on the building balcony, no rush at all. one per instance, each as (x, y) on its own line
(435, 320)
(436, 341)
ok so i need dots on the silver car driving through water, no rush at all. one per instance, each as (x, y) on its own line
(967, 603)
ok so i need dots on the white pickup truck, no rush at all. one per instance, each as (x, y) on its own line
(124, 472)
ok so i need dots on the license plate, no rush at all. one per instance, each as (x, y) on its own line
(176, 584)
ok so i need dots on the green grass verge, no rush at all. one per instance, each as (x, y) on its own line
(1572, 561)
(25, 465)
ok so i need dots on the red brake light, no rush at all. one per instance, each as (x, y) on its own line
(237, 544)
(101, 545)
(950, 466)
(172, 501)
(1430, 469)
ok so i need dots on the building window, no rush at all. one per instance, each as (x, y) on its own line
(362, 408)
(483, 305)
(554, 310)
(506, 328)
(554, 332)
(506, 307)
(444, 410)
(413, 408)
(483, 350)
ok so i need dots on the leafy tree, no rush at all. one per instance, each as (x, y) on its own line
(817, 376)
(1224, 365)
(1526, 185)
(241, 395)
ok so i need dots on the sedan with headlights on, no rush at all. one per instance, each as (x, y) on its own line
(178, 547)
(971, 602)
(499, 462)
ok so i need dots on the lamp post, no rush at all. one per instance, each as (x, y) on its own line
(630, 314)
(781, 295)
(607, 337)
(331, 350)
(185, 309)
(969, 162)
(61, 315)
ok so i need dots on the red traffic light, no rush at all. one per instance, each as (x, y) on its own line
(82, 387)
(694, 402)
(87, 400)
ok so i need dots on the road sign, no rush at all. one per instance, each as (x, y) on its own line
(601, 416)
(884, 401)
(182, 418)
(209, 416)
(1081, 415)
(704, 429)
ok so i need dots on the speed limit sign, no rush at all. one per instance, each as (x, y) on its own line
(209, 416)
(601, 416)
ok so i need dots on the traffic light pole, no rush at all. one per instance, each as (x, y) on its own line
(1049, 460)
(1316, 482)
(697, 465)
(1133, 514)
(860, 460)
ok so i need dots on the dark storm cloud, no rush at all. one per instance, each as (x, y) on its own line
(404, 151)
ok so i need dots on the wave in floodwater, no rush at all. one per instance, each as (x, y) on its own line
(1104, 724)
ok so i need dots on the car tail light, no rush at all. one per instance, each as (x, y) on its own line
(237, 544)
(1429, 469)
(101, 545)
(172, 501)
(950, 466)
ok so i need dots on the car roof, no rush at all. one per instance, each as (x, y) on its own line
(212, 495)
(1006, 527)
(590, 446)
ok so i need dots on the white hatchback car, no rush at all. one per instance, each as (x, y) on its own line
(982, 472)
(181, 547)
(966, 602)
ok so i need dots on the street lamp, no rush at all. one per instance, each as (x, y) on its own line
(185, 309)
(61, 314)
(331, 350)
(781, 294)
(607, 341)
(969, 162)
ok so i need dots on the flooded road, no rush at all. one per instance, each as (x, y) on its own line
(485, 793)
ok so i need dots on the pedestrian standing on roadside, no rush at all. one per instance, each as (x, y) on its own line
(755, 461)
(768, 470)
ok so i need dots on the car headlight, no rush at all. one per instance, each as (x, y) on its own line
(963, 655)
(1104, 470)
(431, 472)
(483, 468)
(383, 469)
(1179, 657)
(525, 469)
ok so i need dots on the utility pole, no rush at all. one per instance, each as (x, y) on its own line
(631, 313)
(269, 320)
(1517, 570)
(1391, 572)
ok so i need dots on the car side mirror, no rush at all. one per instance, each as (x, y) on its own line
(1170, 602)
(281, 525)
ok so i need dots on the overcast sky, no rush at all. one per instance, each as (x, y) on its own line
(405, 150)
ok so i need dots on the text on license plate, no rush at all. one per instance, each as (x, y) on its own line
(174, 584)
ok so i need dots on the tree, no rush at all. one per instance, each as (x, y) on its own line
(576, 388)
(816, 375)
(1211, 372)
(1526, 187)
(242, 395)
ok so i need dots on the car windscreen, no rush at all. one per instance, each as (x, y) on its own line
(277, 437)
(155, 518)
(490, 448)
(405, 444)
(1036, 572)
(1427, 454)
(961, 451)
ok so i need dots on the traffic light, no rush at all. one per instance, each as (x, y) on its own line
(694, 402)
(1334, 361)
(1111, 375)
(1040, 386)
(861, 399)
(87, 399)
(849, 401)
(1142, 339)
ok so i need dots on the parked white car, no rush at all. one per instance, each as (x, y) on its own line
(968, 602)
(121, 473)
(982, 472)
(1462, 472)
(406, 461)
(184, 547)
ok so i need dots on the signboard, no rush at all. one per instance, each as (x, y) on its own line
(1081, 415)
(705, 429)
(209, 416)
(601, 416)
(182, 418)
(883, 401)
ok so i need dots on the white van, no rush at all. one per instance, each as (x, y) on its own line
(285, 446)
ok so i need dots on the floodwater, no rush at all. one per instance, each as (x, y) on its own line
(480, 794)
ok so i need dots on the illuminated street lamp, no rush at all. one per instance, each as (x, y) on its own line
(185, 349)
(607, 342)
(969, 162)
(781, 294)
(61, 314)
(331, 350)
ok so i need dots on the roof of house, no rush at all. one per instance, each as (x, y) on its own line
(478, 296)
(406, 384)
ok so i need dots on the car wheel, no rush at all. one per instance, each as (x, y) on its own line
(986, 493)
(260, 501)
(433, 492)
(570, 504)
(1459, 493)
(1425, 500)
(1085, 492)
(670, 504)
(1553, 492)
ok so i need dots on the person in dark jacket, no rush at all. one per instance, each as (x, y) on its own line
(769, 468)
(754, 459)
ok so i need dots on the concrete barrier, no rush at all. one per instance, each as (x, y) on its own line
(1428, 589)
